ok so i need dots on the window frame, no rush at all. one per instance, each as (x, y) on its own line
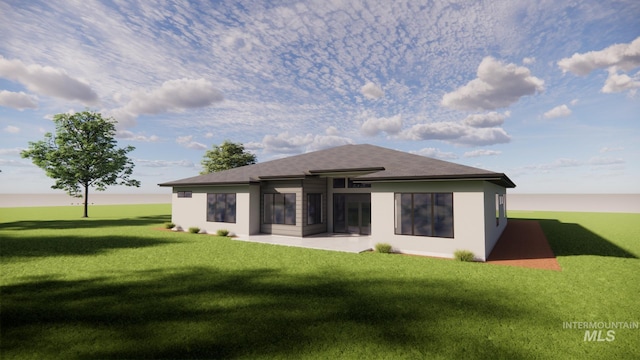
(280, 211)
(431, 219)
(229, 213)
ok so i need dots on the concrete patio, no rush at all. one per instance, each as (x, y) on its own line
(333, 242)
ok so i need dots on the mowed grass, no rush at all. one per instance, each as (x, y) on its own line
(117, 285)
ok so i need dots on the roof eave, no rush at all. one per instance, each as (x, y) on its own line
(218, 183)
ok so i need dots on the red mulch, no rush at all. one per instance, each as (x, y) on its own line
(524, 244)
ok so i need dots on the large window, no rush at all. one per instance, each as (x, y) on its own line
(424, 214)
(221, 208)
(314, 209)
(280, 209)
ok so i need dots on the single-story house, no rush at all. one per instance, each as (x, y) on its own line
(417, 204)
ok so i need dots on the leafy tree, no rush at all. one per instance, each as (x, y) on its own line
(226, 156)
(82, 154)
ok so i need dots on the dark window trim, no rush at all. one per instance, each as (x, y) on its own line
(211, 216)
(286, 209)
(185, 194)
(432, 214)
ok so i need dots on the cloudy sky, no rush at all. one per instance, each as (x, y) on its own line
(544, 91)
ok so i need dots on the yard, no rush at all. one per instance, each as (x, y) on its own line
(119, 286)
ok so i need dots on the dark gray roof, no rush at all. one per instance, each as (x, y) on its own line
(378, 164)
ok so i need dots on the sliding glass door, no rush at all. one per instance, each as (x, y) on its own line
(352, 213)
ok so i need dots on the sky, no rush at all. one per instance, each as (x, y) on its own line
(546, 92)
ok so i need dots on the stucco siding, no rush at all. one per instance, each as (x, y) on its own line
(493, 228)
(468, 218)
(190, 212)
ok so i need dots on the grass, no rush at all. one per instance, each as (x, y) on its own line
(118, 285)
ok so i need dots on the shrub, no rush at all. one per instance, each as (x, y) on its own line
(169, 225)
(194, 230)
(222, 232)
(464, 255)
(383, 248)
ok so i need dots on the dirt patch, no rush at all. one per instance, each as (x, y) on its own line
(524, 244)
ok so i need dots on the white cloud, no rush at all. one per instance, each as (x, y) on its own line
(435, 131)
(600, 160)
(373, 126)
(49, 81)
(208, 135)
(128, 135)
(14, 151)
(484, 136)
(371, 91)
(623, 56)
(284, 143)
(558, 111)
(491, 119)
(12, 129)
(18, 100)
(574, 102)
(332, 130)
(187, 141)
(481, 152)
(497, 85)
(607, 149)
(435, 153)
(164, 163)
(456, 133)
(172, 95)
(528, 60)
(619, 82)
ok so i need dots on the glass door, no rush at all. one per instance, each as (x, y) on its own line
(352, 213)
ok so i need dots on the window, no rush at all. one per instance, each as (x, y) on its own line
(314, 209)
(338, 183)
(184, 194)
(355, 185)
(280, 209)
(499, 208)
(424, 214)
(221, 208)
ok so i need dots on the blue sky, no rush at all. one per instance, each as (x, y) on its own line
(544, 91)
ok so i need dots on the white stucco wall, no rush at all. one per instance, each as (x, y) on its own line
(493, 230)
(468, 218)
(188, 212)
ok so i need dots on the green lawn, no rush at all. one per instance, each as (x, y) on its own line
(117, 286)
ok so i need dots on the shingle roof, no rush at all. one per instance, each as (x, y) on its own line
(381, 164)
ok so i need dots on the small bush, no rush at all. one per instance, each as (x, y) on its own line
(222, 232)
(194, 230)
(169, 225)
(464, 255)
(383, 248)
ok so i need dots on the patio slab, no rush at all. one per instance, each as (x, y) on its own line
(332, 242)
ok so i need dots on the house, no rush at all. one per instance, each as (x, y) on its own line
(417, 204)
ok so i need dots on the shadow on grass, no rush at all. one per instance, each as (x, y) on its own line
(206, 313)
(85, 223)
(569, 239)
(42, 246)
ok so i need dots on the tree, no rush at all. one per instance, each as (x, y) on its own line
(82, 154)
(226, 156)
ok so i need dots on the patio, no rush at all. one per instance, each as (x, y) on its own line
(333, 242)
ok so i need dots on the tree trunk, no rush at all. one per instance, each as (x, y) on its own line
(86, 201)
